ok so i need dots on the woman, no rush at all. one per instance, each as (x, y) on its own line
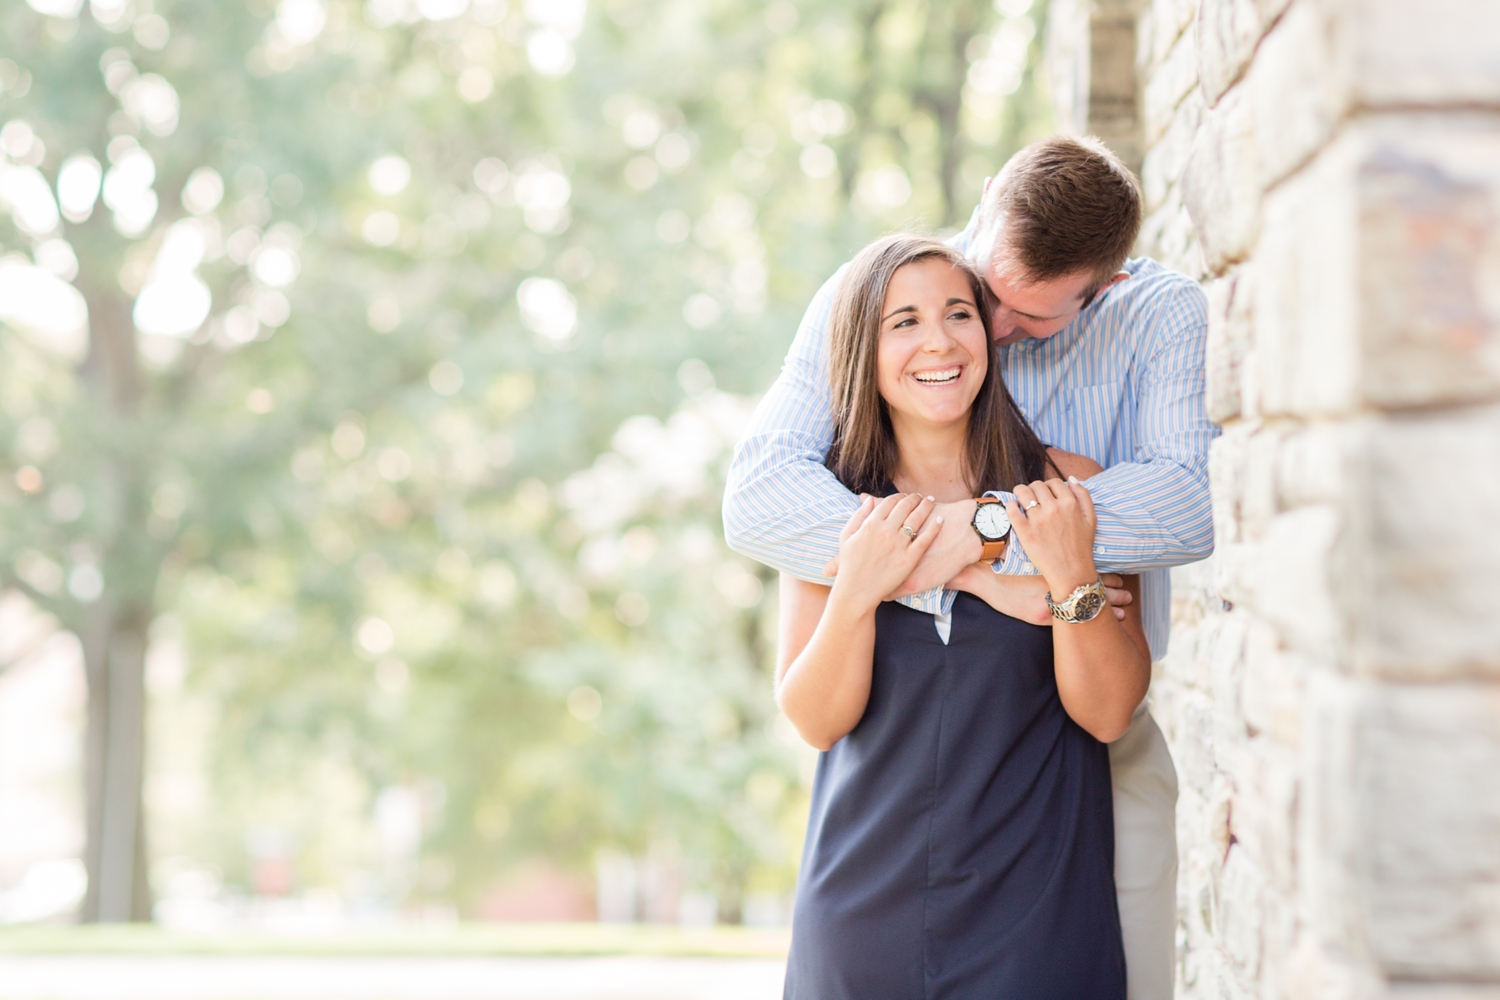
(961, 837)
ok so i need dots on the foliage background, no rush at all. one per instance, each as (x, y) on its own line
(419, 518)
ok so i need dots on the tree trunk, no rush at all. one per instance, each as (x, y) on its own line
(114, 629)
(114, 659)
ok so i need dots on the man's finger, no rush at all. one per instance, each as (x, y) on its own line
(831, 567)
(1112, 580)
(1118, 596)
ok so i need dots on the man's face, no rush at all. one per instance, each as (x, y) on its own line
(1025, 309)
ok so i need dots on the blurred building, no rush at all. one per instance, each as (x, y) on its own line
(1331, 170)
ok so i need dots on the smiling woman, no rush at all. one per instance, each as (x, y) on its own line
(912, 318)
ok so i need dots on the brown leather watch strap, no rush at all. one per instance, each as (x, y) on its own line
(990, 551)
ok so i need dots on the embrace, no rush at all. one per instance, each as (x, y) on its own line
(977, 465)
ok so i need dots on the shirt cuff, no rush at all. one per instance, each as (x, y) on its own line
(932, 602)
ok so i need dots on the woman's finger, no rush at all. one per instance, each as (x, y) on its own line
(917, 519)
(884, 506)
(1024, 497)
(858, 517)
(1084, 497)
(924, 539)
(1060, 490)
(902, 509)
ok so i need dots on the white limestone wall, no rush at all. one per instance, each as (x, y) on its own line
(1331, 170)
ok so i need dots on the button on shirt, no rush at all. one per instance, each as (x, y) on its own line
(1122, 384)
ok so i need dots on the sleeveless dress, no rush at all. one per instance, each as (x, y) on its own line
(961, 838)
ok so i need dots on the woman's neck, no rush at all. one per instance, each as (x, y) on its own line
(930, 458)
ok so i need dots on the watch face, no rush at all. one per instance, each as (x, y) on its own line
(991, 521)
(1088, 606)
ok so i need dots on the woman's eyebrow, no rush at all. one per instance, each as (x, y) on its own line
(960, 302)
(897, 312)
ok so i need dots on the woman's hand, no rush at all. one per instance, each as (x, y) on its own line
(1055, 522)
(880, 546)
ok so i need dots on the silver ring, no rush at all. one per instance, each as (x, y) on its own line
(1034, 503)
(908, 529)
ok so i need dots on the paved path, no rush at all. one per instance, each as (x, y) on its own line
(110, 977)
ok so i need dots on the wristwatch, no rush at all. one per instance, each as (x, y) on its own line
(1082, 605)
(992, 524)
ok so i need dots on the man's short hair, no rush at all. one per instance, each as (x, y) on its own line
(1061, 206)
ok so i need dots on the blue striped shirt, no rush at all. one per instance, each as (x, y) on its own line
(1122, 384)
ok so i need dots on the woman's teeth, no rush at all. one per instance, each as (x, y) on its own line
(938, 377)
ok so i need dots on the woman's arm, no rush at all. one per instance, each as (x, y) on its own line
(1103, 665)
(827, 641)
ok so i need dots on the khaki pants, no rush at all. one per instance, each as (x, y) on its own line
(1145, 785)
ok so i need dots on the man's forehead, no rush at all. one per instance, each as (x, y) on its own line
(1009, 279)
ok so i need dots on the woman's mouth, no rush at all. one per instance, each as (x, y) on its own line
(939, 376)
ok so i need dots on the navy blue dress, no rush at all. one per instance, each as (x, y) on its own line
(961, 839)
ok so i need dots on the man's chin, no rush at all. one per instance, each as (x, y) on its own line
(1014, 337)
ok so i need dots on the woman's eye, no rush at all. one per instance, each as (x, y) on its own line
(960, 315)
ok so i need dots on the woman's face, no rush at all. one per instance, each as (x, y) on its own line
(933, 351)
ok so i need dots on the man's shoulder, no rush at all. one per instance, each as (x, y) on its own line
(1153, 285)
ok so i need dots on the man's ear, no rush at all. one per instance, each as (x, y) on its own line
(1119, 277)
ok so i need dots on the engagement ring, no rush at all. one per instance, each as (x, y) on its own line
(1034, 503)
(907, 528)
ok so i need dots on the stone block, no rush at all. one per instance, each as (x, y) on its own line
(1317, 462)
(1401, 831)
(1292, 579)
(1422, 603)
(1221, 183)
(1229, 338)
(1315, 972)
(1258, 493)
(1306, 312)
(1227, 456)
(1173, 79)
(1431, 53)
(1241, 917)
(1263, 815)
(1272, 688)
(1169, 236)
(1429, 256)
(1193, 747)
(1160, 25)
(1444, 991)
(1164, 161)
(1298, 93)
(1228, 31)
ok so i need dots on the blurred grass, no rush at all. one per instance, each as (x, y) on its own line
(537, 939)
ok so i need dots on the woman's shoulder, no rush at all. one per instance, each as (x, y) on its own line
(1070, 464)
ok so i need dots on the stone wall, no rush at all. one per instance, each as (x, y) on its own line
(1331, 170)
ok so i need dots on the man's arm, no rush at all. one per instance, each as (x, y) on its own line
(1156, 511)
(782, 506)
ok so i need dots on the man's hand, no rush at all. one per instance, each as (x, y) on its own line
(1022, 596)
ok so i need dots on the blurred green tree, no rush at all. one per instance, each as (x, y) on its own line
(392, 352)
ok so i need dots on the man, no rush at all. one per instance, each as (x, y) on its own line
(1104, 355)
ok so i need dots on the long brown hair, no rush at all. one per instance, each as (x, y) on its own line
(1002, 449)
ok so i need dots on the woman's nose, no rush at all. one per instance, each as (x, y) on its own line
(937, 339)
